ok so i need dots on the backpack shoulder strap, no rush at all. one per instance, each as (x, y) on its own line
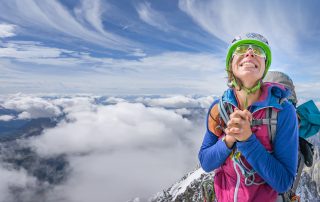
(270, 120)
(272, 115)
(290, 195)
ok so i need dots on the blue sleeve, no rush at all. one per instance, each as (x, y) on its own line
(278, 169)
(213, 152)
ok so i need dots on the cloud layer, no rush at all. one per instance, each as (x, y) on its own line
(122, 149)
(31, 107)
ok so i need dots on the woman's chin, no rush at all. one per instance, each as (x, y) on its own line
(248, 76)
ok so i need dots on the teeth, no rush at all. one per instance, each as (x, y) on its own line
(247, 63)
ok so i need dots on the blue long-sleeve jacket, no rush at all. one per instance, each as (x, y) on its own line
(278, 168)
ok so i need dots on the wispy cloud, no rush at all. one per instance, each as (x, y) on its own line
(97, 73)
(38, 53)
(291, 36)
(226, 19)
(153, 17)
(6, 118)
(92, 12)
(28, 49)
(138, 53)
(7, 30)
(52, 16)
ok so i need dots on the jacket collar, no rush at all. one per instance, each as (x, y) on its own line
(270, 96)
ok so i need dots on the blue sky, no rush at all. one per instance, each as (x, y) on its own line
(120, 47)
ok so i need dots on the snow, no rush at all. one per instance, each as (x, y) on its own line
(180, 187)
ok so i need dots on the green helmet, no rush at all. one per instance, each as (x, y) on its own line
(250, 38)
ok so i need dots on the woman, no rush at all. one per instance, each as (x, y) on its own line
(248, 167)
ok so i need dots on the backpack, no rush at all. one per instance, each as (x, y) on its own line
(307, 127)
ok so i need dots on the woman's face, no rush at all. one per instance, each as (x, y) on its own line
(249, 68)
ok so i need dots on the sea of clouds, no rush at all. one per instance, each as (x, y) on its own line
(117, 148)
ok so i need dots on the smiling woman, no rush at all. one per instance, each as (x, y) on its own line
(248, 164)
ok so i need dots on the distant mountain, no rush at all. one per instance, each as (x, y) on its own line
(17, 128)
(48, 171)
(10, 130)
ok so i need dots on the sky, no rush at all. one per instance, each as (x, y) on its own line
(112, 47)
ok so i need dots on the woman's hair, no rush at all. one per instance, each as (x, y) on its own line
(232, 78)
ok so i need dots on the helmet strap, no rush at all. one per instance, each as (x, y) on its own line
(247, 90)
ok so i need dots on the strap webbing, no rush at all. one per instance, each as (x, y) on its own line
(268, 116)
(270, 120)
(257, 122)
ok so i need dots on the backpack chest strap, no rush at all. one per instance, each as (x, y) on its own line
(257, 122)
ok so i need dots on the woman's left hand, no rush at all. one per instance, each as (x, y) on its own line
(239, 125)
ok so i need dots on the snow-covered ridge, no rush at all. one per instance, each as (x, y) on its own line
(180, 187)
